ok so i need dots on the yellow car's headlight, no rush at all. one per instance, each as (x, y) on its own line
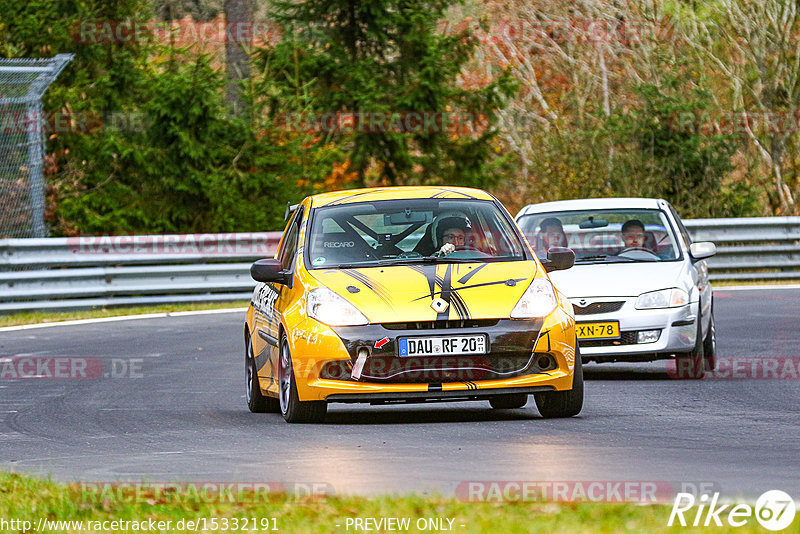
(664, 298)
(327, 307)
(539, 300)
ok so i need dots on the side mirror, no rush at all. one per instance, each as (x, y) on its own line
(269, 270)
(558, 259)
(702, 250)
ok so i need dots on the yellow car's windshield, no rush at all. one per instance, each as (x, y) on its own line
(411, 231)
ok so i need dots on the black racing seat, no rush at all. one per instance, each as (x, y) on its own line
(425, 245)
(338, 247)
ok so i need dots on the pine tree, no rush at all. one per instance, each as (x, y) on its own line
(386, 57)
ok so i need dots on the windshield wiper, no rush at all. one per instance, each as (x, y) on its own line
(602, 257)
(371, 263)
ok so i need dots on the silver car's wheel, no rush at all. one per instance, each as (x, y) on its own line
(692, 365)
(710, 345)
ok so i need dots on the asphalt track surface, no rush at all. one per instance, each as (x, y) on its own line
(182, 417)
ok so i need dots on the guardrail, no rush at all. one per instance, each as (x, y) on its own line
(90, 272)
(751, 248)
(93, 272)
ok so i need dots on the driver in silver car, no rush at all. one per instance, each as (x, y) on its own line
(633, 234)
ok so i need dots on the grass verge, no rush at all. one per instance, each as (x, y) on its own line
(52, 317)
(25, 498)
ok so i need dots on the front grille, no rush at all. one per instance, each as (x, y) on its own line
(626, 338)
(431, 325)
(442, 369)
(598, 307)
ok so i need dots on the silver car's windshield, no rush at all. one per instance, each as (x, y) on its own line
(604, 236)
(411, 231)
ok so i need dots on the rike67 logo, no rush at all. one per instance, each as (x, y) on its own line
(774, 510)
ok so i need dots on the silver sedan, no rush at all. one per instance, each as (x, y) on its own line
(639, 285)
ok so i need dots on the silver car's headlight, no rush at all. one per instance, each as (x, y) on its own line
(539, 300)
(665, 298)
(327, 307)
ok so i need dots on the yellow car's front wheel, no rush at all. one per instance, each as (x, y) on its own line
(554, 404)
(293, 409)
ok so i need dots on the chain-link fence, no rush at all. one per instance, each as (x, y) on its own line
(22, 143)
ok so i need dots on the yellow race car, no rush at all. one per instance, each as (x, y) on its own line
(408, 294)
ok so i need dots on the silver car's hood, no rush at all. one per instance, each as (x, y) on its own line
(622, 279)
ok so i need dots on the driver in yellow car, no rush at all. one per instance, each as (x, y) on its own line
(633, 234)
(456, 236)
(452, 234)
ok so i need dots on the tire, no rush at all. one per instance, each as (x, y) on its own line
(556, 404)
(710, 345)
(692, 365)
(294, 410)
(509, 402)
(256, 401)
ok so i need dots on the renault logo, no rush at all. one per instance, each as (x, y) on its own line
(582, 303)
(439, 305)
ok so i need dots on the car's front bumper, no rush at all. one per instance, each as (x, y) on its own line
(677, 331)
(316, 346)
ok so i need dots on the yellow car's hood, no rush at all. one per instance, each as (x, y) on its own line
(404, 293)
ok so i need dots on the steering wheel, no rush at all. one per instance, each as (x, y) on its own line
(638, 249)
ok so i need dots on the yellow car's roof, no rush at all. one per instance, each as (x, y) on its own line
(396, 193)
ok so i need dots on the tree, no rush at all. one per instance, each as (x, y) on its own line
(238, 16)
(163, 153)
(685, 166)
(756, 47)
(379, 62)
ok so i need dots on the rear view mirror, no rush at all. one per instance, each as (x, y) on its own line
(269, 270)
(591, 222)
(702, 250)
(407, 217)
(559, 259)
